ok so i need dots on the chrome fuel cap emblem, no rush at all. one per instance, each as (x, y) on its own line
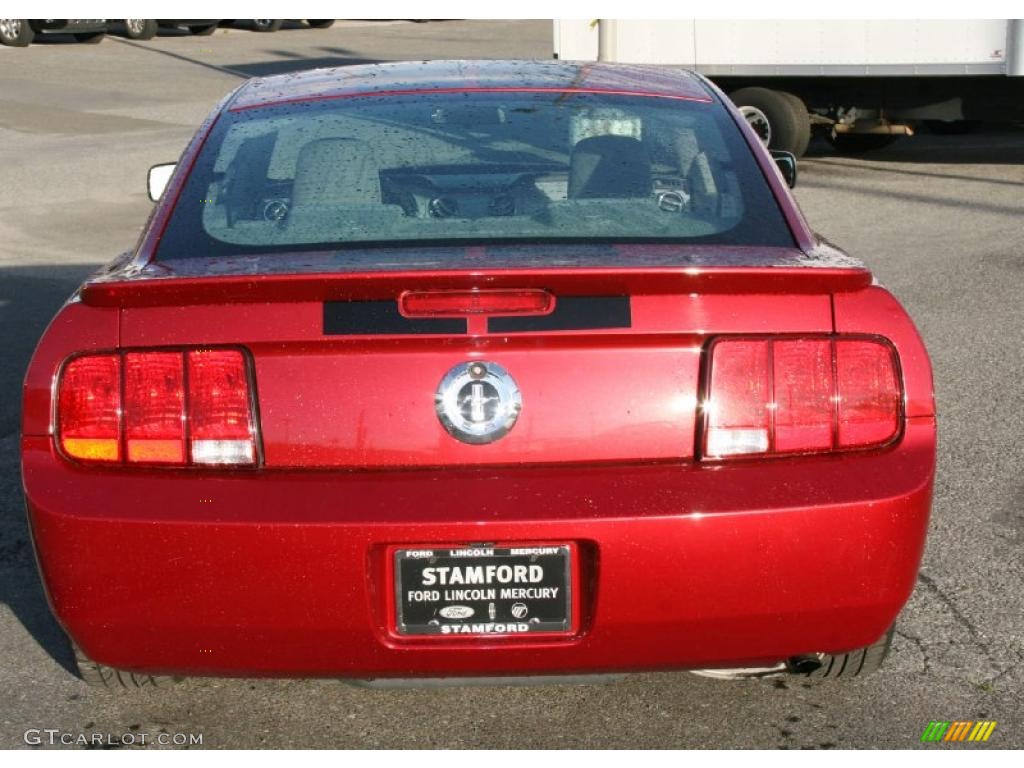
(478, 402)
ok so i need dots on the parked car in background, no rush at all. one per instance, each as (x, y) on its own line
(478, 369)
(21, 32)
(146, 29)
(272, 25)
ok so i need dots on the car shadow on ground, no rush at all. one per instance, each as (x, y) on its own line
(29, 298)
(295, 63)
(981, 144)
(997, 146)
(290, 61)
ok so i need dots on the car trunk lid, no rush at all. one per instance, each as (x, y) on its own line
(346, 379)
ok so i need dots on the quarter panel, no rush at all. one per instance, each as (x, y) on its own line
(76, 328)
(876, 311)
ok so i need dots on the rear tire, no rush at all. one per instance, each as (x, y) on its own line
(16, 33)
(203, 31)
(856, 663)
(267, 25)
(90, 38)
(780, 119)
(140, 29)
(101, 676)
(321, 23)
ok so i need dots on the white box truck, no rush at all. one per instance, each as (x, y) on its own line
(861, 83)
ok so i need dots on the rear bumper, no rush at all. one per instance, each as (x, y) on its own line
(285, 573)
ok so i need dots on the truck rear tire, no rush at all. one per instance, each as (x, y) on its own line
(779, 118)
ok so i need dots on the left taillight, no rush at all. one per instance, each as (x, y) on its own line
(89, 408)
(163, 407)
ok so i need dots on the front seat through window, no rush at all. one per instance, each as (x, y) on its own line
(609, 166)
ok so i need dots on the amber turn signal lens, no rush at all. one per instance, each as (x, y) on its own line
(89, 408)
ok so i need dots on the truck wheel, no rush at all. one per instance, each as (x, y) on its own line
(321, 23)
(101, 676)
(15, 32)
(780, 119)
(854, 664)
(204, 30)
(92, 38)
(805, 118)
(858, 143)
(140, 29)
(267, 25)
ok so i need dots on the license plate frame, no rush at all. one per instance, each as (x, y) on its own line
(484, 606)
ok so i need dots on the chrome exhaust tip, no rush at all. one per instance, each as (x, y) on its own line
(742, 673)
(795, 665)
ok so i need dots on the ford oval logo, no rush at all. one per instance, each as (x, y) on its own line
(456, 612)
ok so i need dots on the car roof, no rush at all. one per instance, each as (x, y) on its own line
(471, 75)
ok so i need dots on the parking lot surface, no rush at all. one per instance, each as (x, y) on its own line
(937, 217)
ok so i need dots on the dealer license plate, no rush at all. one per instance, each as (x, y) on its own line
(483, 590)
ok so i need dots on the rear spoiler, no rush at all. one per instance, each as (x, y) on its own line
(151, 291)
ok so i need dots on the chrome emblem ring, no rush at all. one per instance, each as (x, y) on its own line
(478, 402)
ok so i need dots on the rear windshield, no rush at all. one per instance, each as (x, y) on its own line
(472, 168)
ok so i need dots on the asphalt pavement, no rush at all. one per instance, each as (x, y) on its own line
(937, 217)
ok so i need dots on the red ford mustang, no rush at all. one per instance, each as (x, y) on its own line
(467, 369)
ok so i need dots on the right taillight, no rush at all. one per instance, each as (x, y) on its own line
(163, 407)
(785, 395)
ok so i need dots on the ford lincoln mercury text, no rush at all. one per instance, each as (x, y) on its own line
(479, 370)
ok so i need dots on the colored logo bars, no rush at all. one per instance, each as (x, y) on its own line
(959, 730)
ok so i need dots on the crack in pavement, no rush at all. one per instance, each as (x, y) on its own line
(972, 630)
(919, 643)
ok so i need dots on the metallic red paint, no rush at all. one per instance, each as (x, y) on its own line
(157, 288)
(608, 395)
(284, 569)
(284, 573)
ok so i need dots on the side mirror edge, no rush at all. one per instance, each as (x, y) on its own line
(786, 162)
(157, 179)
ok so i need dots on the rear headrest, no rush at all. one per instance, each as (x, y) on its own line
(336, 171)
(609, 166)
